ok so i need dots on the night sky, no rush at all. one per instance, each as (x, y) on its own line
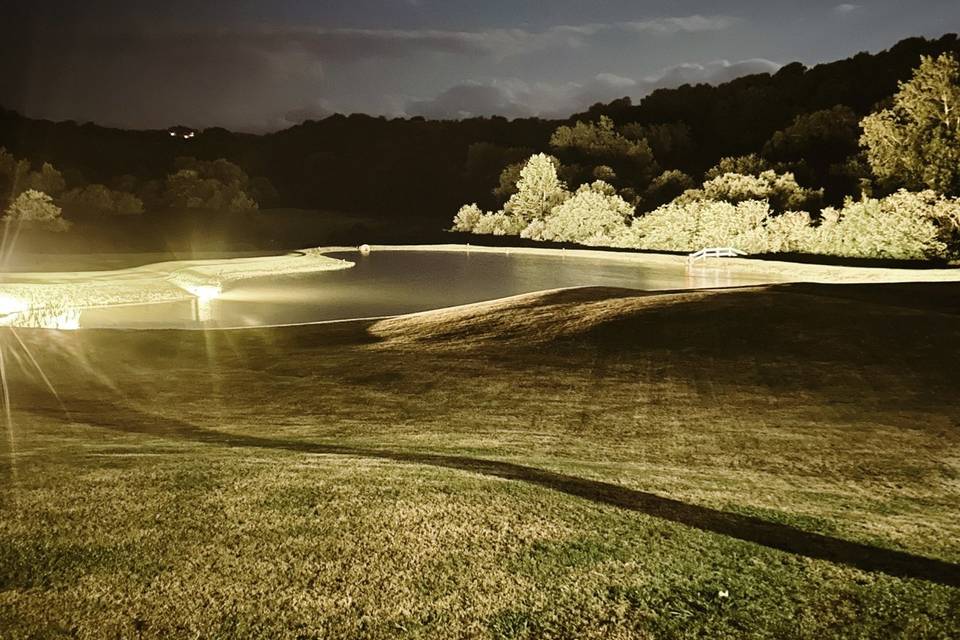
(261, 66)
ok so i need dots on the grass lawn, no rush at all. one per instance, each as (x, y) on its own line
(775, 461)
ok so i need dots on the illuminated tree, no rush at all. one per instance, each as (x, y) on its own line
(595, 215)
(905, 225)
(467, 218)
(916, 142)
(780, 190)
(35, 210)
(498, 224)
(539, 190)
(748, 165)
(704, 223)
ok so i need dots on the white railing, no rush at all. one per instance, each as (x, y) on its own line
(715, 252)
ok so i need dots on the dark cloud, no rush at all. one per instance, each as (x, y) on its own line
(846, 9)
(516, 98)
(474, 99)
(263, 65)
(716, 72)
(242, 77)
(154, 80)
(316, 111)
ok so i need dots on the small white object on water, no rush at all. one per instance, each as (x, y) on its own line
(364, 249)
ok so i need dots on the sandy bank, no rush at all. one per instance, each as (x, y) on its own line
(160, 282)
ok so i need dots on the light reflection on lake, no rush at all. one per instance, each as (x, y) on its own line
(390, 283)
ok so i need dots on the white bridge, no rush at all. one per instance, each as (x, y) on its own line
(715, 252)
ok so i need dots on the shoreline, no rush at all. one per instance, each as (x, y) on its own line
(43, 294)
(44, 299)
(837, 274)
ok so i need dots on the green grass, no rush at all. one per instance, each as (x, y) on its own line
(356, 480)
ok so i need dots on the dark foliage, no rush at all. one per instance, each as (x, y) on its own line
(415, 168)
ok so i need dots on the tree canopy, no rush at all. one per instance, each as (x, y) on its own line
(539, 190)
(916, 142)
(35, 210)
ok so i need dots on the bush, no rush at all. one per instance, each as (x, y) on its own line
(539, 190)
(595, 215)
(592, 145)
(35, 210)
(780, 190)
(749, 165)
(467, 218)
(703, 223)
(905, 226)
(499, 224)
(666, 187)
(790, 232)
(218, 186)
(97, 198)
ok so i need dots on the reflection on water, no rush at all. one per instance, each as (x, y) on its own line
(386, 283)
(63, 319)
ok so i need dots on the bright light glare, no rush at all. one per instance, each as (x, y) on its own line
(204, 292)
(10, 305)
(67, 321)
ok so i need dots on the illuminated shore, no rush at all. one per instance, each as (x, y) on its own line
(27, 298)
(56, 299)
(757, 271)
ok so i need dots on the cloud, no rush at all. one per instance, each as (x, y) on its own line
(716, 72)
(354, 44)
(250, 77)
(689, 24)
(149, 81)
(516, 98)
(846, 8)
(472, 99)
(316, 110)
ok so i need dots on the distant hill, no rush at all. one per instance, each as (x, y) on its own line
(426, 169)
(737, 117)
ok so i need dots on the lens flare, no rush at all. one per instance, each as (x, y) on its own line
(204, 292)
(10, 305)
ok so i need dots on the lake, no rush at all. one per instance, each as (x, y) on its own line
(387, 283)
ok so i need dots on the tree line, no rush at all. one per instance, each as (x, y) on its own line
(907, 161)
(805, 122)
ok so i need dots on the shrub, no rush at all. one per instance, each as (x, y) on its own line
(780, 190)
(589, 145)
(499, 224)
(99, 199)
(539, 190)
(218, 186)
(35, 210)
(905, 225)
(749, 165)
(666, 187)
(467, 218)
(703, 223)
(790, 232)
(595, 215)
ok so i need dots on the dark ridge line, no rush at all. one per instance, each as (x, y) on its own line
(774, 535)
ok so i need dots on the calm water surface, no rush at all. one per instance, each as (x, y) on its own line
(395, 282)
